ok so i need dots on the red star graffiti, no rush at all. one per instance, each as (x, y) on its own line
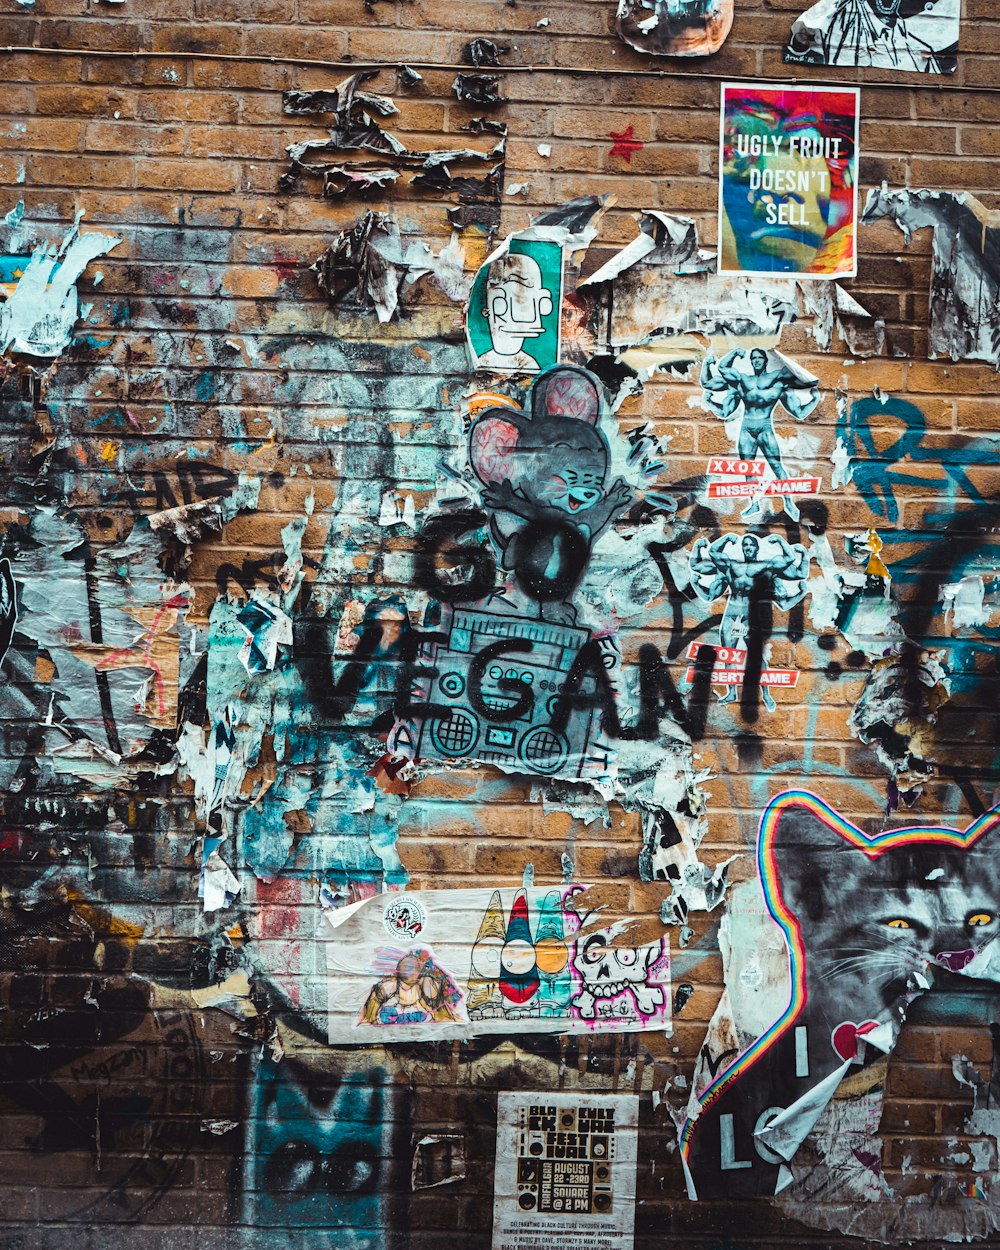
(625, 144)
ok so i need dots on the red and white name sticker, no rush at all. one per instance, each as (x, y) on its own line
(722, 676)
(723, 655)
(777, 486)
(730, 466)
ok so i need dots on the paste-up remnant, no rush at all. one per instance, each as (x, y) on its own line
(911, 35)
(267, 627)
(42, 305)
(897, 709)
(834, 307)
(219, 884)
(675, 27)
(361, 156)
(371, 263)
(8, 606)
(869, 922)
(461, 963)
(438, 1160)
(965, 279)
(481, 89)
(639, 313)
(483, 52)
(857, 601)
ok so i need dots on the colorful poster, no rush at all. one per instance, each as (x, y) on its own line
(440, 964)
(565, 1171)
(514, 312)
(788, 185)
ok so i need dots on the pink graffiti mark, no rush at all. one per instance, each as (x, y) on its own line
(141, 655)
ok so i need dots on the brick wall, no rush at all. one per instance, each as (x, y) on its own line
(166, 1079)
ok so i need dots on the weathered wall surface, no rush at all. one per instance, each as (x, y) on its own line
(256, 518)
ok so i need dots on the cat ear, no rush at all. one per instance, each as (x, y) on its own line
(493, 446)
(805, 845)
(566, 392)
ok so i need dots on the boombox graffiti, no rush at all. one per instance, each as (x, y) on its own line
(502, 679)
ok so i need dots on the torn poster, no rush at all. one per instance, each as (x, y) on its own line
(267, 627)
(41, 305)
(910, 35)
(639, 314)
(434, 965)
(788, 185)
(361, 156)
(839, 935)
(675, 27)
(372, 265)
(965, 279)
(515, 307)
(565, 1171)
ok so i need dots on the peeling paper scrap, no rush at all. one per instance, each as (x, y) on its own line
(965, 276)
(437, 1161)
(220, 884)
(38, 316)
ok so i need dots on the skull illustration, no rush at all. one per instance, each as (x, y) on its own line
(608, 972)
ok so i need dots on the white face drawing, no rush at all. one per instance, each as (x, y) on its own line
(516, 302)
(607, 972)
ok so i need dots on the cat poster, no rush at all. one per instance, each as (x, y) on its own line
(565, 1171)
(515, 307)
(823, 954)
(439, 964)
(788, 189)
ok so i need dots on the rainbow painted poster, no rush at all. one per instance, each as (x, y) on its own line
(788, 187)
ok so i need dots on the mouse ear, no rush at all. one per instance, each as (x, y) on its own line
(492, 445)
(567, 392)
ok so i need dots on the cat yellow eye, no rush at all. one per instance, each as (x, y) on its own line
(899, 924)
(980, 918)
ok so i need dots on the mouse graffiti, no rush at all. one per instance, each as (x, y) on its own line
(545, 472)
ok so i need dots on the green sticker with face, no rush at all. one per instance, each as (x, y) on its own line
(514, 309)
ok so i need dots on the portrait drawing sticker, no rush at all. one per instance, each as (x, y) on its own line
(913, 35)
(515, 307)
(565, 1171)
(788, 188)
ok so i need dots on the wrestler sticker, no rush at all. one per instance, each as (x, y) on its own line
(735, 567)
(748, 390)
(788, 191)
